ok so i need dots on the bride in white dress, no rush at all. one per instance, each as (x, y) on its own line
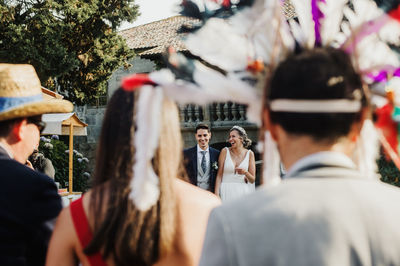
(237, 170)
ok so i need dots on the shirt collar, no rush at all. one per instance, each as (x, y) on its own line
(7, 150)
(323, 158)
(199, 150)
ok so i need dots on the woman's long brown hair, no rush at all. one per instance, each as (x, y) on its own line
(121, 232)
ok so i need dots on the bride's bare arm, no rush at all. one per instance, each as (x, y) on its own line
(251, 173)
(218, 180)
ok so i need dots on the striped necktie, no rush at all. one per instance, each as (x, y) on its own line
(203, 162)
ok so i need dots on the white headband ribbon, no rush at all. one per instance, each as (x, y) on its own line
(145, 189)
(315, 106)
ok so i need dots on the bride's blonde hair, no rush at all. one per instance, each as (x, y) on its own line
(243, 135)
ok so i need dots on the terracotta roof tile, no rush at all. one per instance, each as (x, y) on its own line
(155, 37)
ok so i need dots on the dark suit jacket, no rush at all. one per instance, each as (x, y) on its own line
(190, 160)
(29, 203)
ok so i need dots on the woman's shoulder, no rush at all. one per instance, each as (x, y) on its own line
(64, 229)
(196, 196)
(224, 151)
(251, 153)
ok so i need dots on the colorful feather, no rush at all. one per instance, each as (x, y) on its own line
(384, 75)
(224, 3)
(317, 15)
(395, 13)
(391, 7)
(388, 127)
(366, 20)
(133, 82)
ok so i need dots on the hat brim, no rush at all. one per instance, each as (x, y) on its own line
(38, 108)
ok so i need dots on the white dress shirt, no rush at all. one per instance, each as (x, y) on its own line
(203, 178)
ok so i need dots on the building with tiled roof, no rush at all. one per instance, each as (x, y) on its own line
(153, 38)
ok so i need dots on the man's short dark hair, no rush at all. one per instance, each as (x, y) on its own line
(202, 126)
(305, 76)
(7, 126)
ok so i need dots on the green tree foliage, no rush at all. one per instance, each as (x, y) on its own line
(73, 44)
(388, 171)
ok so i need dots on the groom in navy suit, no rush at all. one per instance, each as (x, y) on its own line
(201, 161)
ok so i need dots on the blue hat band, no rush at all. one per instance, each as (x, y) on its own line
(7, 103)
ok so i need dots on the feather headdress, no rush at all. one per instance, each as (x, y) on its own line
(233, 48)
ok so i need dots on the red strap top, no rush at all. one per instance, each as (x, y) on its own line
(83, 231)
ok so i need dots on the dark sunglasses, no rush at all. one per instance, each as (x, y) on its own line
(37, 122)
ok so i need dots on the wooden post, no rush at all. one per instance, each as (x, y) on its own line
(71, 154)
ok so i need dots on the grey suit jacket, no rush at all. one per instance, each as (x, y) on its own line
(330, 215)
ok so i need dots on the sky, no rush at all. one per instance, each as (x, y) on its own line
(153, 10)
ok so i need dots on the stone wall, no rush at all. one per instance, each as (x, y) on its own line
(138, 65)
(93, 116)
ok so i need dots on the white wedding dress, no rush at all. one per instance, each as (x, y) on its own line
(233, 185)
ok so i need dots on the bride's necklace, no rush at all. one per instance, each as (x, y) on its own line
(238, 158)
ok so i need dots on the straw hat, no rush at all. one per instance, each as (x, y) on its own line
(21, 94)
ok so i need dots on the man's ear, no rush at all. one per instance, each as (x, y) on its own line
(17, 130)
(355, 129)
(268, 125)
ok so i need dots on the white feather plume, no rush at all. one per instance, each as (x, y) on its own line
(305, 29)
(271, 161)
(263, 26)
(390, 32)
(362, 20)
(375, 55)
(333, 16)
(251, 33)
(144, 185)
(367, 151)
(227, 49)
(361, 35)
(297, 32)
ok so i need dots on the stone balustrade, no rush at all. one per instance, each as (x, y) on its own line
(216, 115)
(219, 116)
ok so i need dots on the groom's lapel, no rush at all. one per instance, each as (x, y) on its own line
(213, 156)
(194, 160)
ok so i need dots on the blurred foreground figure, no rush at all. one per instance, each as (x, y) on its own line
(106, 226)
(325, 211)
(29, 201)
